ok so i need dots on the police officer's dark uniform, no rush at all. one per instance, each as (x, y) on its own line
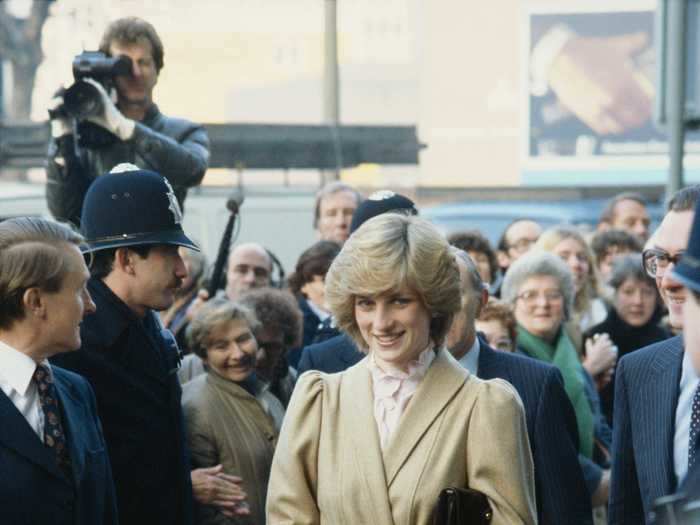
(131, 361)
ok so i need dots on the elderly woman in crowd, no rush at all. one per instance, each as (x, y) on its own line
(231, 418)
(599, 356)
(278, 330)
(633, 321)
(308, 284)
(541, 289)
(378, 442)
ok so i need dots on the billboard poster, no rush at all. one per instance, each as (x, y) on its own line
(590, 79)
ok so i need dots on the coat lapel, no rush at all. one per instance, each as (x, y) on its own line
(357, 406)
(662, 393)
(440, 384)
(73, 420)
(16, 434)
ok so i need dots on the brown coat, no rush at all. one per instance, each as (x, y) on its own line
(457, 431)
(227, 425)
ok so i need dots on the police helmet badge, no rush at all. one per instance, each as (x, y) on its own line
(174, 206)
(381, 195)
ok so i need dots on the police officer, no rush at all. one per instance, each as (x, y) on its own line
(132, 224)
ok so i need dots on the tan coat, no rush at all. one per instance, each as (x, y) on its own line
(456, 431)
(227, 425)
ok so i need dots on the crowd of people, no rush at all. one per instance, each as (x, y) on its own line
(554, 377)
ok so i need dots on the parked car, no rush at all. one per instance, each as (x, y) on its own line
(492, 217)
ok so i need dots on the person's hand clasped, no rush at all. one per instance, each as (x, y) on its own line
(111, 118)
(211, 486)
(601, 356)
(595, 78)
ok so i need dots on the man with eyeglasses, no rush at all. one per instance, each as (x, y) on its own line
(517, 239)
(655, 387)
(551, 421)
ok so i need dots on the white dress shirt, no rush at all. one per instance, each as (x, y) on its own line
(16, 372)
(320, 312)
(470, 360)
(688, 385)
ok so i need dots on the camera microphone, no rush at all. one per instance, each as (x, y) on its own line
(235, 201)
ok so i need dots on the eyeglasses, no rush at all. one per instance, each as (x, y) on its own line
(530, 297)
(504, 344)
(522, 245)
(656, 261)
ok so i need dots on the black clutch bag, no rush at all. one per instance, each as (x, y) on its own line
(462, 507)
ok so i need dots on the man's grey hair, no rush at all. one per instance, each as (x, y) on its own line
(330, 189)
(539, 263)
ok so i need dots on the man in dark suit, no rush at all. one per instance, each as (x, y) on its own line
(687, 273)
(330, 356)
(132, 223)
(53, 462)
(562, 496)
(655, 388)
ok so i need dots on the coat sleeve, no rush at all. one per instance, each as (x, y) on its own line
(625, 504)
(291, 494)
(204, 452)
(183, 161)
(499, 462)
(67, 181)
(563, 495)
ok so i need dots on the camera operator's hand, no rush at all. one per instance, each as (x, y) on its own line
(111, 118)
(60, 123)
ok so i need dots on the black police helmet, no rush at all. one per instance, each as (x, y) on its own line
(379, 202)
(128, 207)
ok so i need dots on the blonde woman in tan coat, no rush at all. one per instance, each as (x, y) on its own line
(231, 418)
(377, 443)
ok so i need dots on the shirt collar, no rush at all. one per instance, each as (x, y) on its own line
(16, 369)
(470, 360)
(688, 373)
(320, 313)
(416, 368)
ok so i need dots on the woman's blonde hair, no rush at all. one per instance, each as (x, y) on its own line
(549, 240)
(386, 253)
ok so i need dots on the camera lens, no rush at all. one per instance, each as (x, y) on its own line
(82, 100)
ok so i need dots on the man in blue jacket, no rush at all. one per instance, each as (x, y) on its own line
(53, 461)
(655, 387)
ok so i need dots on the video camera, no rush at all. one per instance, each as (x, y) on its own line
(82, 99)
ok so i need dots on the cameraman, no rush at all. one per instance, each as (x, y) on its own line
(137, 131)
